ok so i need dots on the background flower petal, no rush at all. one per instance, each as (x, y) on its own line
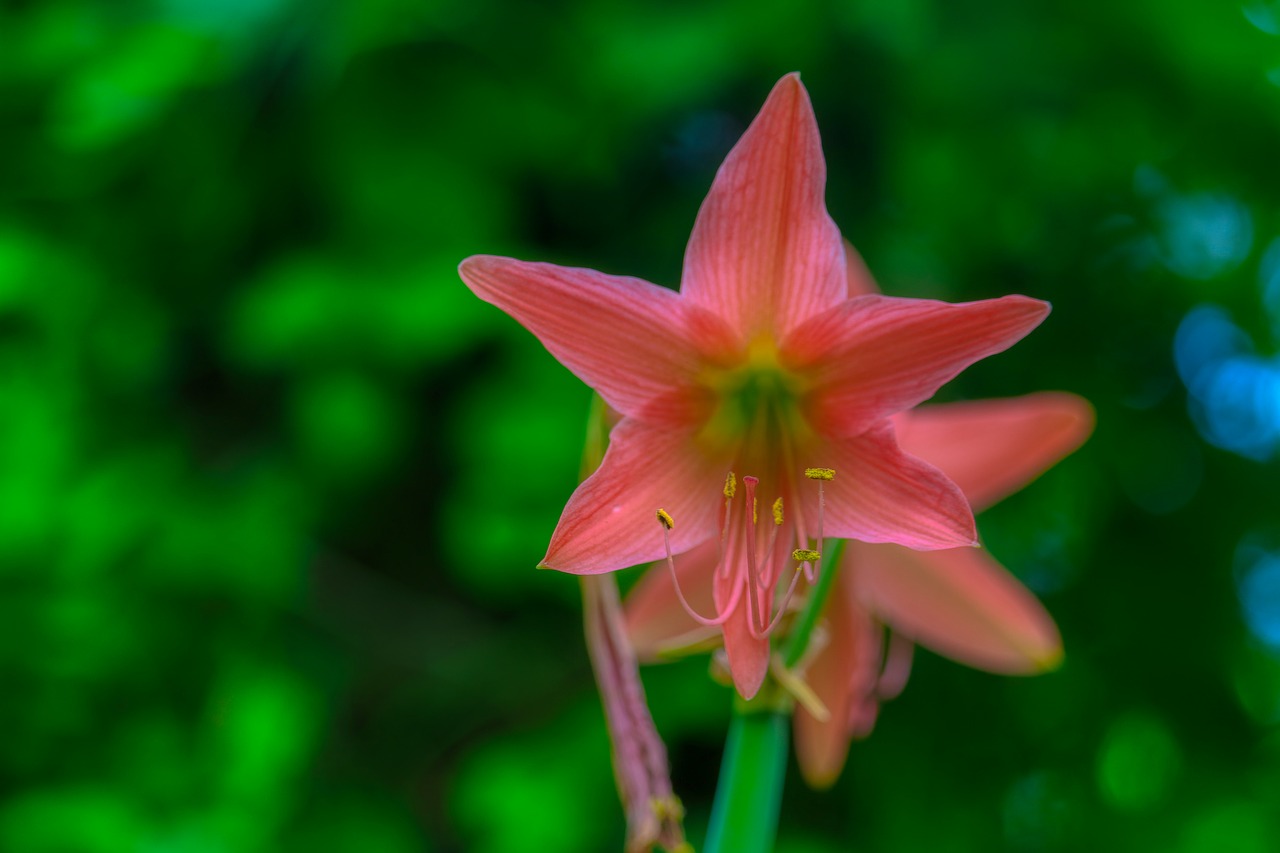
(960, 603)
(857, 276)
(837, 673)
(992, 448)
(655, 620)
(764, 253)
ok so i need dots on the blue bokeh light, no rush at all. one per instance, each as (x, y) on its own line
(1269, 281)
(1258, 585)
(1196, 235)
(1263, 15)
(1234, 391)
(1203, 234)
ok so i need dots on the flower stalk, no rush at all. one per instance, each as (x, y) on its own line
(654, 813)
(744, 817)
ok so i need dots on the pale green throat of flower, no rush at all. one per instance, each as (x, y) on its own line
(757, 408)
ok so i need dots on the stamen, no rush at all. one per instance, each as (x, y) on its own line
(762, 571)
(667, 523)
(822, 475)
(808, 560)
(766, 570)
(754, 615)
(758, 575)
(800, 689)
(782, 609)
(730, 489)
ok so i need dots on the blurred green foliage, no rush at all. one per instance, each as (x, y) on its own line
(273, 483)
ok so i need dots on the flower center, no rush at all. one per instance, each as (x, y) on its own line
(757, 576)
(757, 405)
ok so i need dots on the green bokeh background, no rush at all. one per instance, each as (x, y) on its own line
(273, 483)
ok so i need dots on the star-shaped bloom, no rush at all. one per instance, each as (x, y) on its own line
(761, 366)
(958, 602)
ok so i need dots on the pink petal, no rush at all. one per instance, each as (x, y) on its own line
(610, 522)
(857, 275)
(655, 619)
(876, 355)
(960, 603)
(839, 676)
(881, 494)
(764, 254)
(748, 656)
(992, 448)
(641, 346)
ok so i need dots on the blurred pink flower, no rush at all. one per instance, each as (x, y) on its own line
(762, 365)
(958, 602)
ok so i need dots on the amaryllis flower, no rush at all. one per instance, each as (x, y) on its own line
(958, 602)
(761, 366)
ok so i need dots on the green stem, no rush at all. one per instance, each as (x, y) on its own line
(744, 818)
(799, 640)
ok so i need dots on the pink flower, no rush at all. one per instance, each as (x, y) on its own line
(958, 602)
(763, 364)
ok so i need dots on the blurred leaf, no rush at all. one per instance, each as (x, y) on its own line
(261, 732)
(347, 426)
(1232, 827)
(1138, 762)
(245, 537)
(71, 820)
(536, 791)
(127, 86)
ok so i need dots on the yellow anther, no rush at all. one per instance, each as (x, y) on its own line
(730, 485)
(777, 511)
(755, 510)
(820, 473)
(804, 555)
(666, 519)
(667, 808)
